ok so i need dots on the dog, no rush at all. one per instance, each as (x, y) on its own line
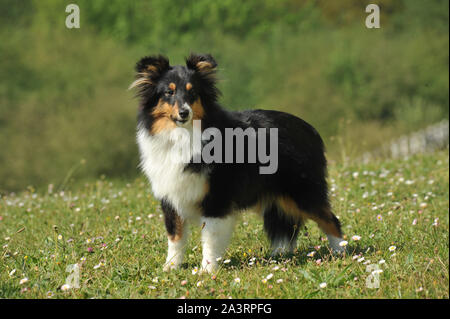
(211, 194)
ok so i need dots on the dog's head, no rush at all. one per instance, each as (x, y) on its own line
(173, 96)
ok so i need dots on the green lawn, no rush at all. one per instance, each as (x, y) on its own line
(115, 232)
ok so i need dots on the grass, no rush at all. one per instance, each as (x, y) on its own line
(393, 203)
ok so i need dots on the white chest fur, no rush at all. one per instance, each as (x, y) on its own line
(161, 163)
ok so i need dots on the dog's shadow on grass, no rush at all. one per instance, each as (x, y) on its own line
(299, 257)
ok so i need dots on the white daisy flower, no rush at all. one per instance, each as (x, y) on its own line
(65, 287)
(377, 271)
(99, 265)
(343, 243)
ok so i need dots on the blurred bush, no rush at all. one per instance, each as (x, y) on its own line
(64, 98)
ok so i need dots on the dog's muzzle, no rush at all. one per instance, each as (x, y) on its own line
(184, 113)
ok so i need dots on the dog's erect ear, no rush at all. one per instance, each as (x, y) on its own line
(154, 65)
(204, 66)
(203, 63)
(149, 69)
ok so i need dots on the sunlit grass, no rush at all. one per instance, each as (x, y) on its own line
(394, 213)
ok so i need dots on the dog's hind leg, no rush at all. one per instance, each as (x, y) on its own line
(282, 229)
(322, 215)
(330, 225)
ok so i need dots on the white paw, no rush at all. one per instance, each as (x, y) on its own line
(208, 266)
(170, 266)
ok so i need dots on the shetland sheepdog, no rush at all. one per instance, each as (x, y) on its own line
(212, 193)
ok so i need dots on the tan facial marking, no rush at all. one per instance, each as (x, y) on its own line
(164, 115)
(198, 110)
(172, 86)
(188, 86)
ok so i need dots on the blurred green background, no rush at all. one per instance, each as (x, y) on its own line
(64, 98)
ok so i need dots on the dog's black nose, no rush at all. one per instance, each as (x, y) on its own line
(184, 113)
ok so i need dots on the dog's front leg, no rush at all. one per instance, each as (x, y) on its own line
(216, 234)
(176, 249)
(177, 233)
